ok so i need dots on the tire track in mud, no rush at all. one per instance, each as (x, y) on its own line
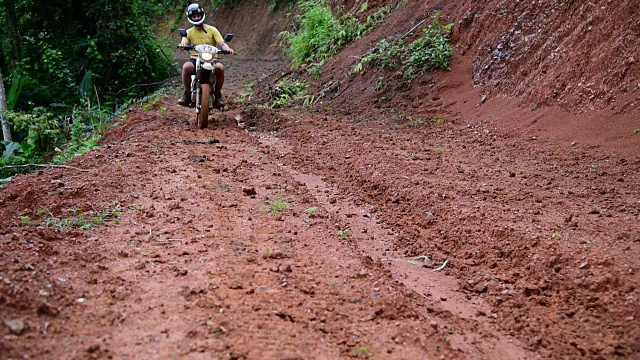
(502, 254)
(467, 332)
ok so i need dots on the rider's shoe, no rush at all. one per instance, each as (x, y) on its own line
(219, 100)
(185, 100)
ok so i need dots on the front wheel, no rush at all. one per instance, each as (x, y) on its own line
(203, 116)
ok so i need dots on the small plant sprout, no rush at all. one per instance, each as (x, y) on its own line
(357, 68)
(364, 352)
(593, 166)
(310, 213)
(246, 96)
(413, 122)
(277, 206)
(84, 220)
(343, 234)
(25, 220)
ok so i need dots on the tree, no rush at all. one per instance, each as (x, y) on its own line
(6, 131)
(59, 46)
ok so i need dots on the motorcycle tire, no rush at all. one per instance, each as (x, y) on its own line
(203, 117)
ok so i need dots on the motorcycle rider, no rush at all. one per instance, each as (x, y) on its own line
(201, 33)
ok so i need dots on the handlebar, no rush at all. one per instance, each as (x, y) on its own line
(193, 47)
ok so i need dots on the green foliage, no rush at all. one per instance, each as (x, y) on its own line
(286, 91)
(275, 4)
(429, 52)
(321, 35)
(16, 154)
(247, 96)
(278, 206)
(11, 148)
(60, 44)
(80, 220)
(44, 132)
(60, 57)
(18, 81)
(432, 51)
(25, 220)
(385, 55)
(420, 121)
(41, 126)
(314, 40)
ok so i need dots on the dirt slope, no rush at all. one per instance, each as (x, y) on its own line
(530, 201)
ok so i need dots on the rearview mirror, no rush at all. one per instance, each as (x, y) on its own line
(228, 37)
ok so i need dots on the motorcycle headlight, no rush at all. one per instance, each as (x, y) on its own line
(207, 56)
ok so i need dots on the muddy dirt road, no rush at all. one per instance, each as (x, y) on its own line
(322, 235)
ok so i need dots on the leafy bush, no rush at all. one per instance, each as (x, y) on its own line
(385, 55)
(432, 51)
(429, 52)
(286, 91)
(321, 35)
(41, 126)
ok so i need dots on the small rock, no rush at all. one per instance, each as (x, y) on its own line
(16, 326)
(47, 309)
(249, 191)
(182, 272)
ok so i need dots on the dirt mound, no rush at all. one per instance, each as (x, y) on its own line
(575, 55)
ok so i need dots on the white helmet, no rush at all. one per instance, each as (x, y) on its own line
(195, 9)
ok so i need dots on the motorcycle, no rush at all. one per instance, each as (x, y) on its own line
(201, 89)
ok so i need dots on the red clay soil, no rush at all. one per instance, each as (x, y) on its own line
(487, 212)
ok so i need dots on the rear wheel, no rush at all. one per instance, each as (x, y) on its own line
(203, 117)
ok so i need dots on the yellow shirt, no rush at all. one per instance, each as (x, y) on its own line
(207, 35)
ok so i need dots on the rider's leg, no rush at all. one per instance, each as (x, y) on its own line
(219, 70)
(187, 69)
